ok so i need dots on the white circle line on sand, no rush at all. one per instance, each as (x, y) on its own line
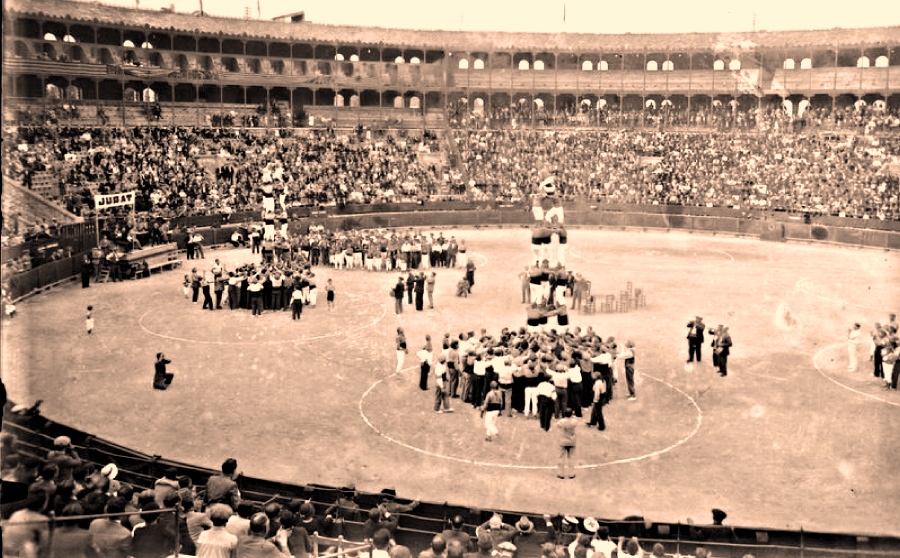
(845, 386)
(478, 255)
(577, 254)
(466, 461)
(258, 342)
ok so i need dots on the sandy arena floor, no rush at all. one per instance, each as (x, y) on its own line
(789, 439)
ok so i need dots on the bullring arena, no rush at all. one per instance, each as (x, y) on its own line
(798, 450)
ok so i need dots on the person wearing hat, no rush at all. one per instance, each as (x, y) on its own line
(695, 338)
(64, 456)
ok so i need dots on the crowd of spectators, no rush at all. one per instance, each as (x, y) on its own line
(185, 171)
(710, 115)
(818, 174)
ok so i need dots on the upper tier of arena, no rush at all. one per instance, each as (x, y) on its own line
(97, 13)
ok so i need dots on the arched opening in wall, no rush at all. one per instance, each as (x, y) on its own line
(50, 37)
(882, 62)
(230, 65)
(788, 64)
(129, 58)
(478, 105)
(185, 93)
(147, 45)
(74, 93)
(415, 103)
(52, 92)
(206, 63)
(109, 90)
(302, 97)
(370, 98)
(233, 94)
(130, 95)
(415, 60)
(210, 94)
(21, 50)
(300, 67)
(652, 66)
(862, 62)
(106, 57)
(478, 64)
(181, 62)
(87, 89)
(148, 95)
(156, 59)
(49, 51)
(719, 65)
(734, 65)
(255, 66)
(668, 66)
(277, 67)
(806, 64)
(524, 64)
(603, 66)
(29, 86)
(399, 60)
(338, 100)
(538, 104)
(587, 66)
(354, 101)
(354, 58)
(258, 96)
(128, 43)
(76, 54)
(539, 65)
(463, 64)
(398, 102)
(893, 102)
(69, 39)
(433, 100)
(339, 57)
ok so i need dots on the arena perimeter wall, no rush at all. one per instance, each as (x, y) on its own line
(773, 227)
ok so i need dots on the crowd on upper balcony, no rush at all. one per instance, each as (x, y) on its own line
(810, 173)
(663, 114)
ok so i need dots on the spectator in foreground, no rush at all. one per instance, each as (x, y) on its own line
(217, 542)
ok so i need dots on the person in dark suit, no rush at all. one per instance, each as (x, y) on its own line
(695, 338)
(87, 269)
(723, 349)
(154, 539)
(161, 378)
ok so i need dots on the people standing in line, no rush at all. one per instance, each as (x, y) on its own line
(161, 377)
(196, 278)
(695, 338)
(490, 411)
(627, 356)
(419, 289)
(714, 334)
(566, 427)
(410, 285)
(219, 289)
(854, 335)
(402, 350)
(255, 290)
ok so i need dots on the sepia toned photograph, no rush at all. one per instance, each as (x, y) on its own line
(496, 279)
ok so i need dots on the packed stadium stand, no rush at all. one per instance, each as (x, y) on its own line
(779, 136)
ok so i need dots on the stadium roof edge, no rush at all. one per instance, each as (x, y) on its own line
(469, 41)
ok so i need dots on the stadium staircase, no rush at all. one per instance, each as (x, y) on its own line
(35, 435)
(31, 208)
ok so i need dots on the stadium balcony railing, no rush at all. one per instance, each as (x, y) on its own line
(35, 435)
